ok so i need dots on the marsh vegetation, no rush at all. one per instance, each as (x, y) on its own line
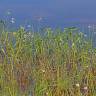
(51, 63)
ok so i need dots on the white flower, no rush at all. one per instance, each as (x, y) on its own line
(77, 85)
(85, 35)
(12, 20)
(29, 33)
(89, 26)
(28, 26)
(43, 71)
(87, 66)
(46, 93)
(85, 88)
(25, 36)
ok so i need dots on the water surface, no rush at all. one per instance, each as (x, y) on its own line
(52, 12)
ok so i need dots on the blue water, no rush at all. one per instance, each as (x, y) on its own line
(54, 13)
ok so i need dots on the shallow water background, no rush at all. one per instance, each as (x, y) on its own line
(54, 13)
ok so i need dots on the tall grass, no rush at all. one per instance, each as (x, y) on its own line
(51, 63)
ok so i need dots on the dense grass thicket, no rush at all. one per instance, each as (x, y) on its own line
(51, 63)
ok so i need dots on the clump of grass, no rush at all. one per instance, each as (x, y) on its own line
(52, 63)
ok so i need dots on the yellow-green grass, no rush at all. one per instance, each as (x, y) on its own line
(51, 63)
